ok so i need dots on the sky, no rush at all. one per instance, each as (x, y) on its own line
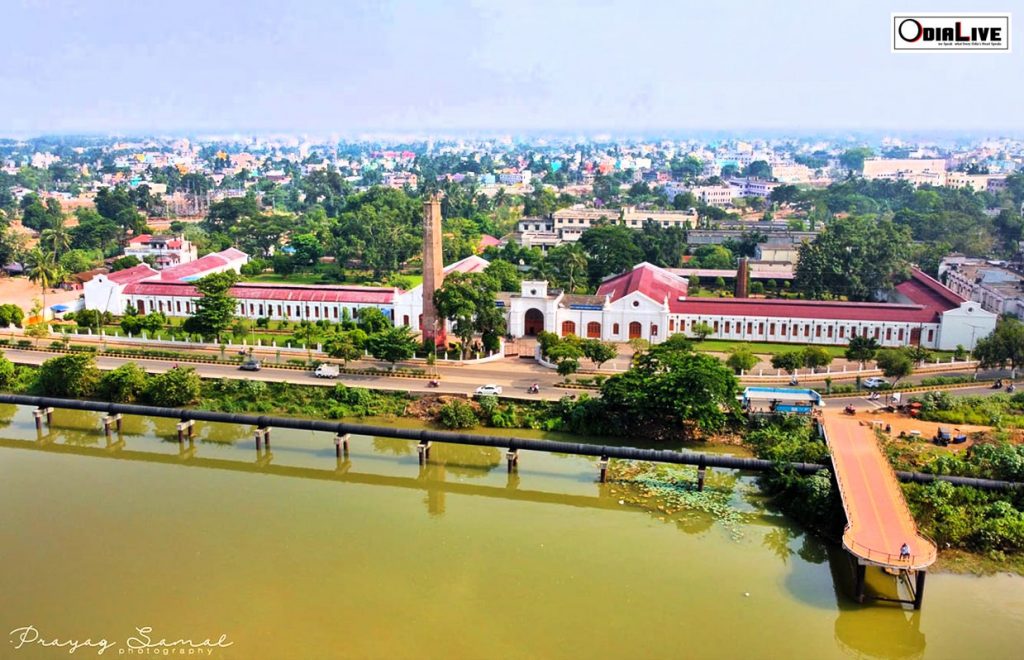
(349, 66)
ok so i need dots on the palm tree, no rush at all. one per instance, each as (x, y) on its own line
(57, 237)
(42, 268)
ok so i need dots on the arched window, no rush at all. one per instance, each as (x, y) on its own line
(635, 330)
(405, 319)
(615, 329)
(594, 330)
(568, 328)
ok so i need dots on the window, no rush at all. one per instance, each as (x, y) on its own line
(842, 332)
(335, 312)
(817, 331)
(671, 325)
(931, 335)
(177, 306)
(316, 311)
(750, 328)
(760, 328)
(888, 334)
(771, 328)
(716, 327)
(568, 328)
(829, 332)
(728, 327)
(141, 307)
(783, 330)
(615, 329)
(654, 330)
(635, 330)
(878, 332)
(899, 334)
(594, 330)
(405, 319)
(279, 310)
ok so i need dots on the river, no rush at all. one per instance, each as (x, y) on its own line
(301, 555)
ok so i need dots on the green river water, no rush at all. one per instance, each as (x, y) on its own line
(305, 556)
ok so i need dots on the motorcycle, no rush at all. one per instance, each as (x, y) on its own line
(433, 383)
(533, 389)
(998, 385)
(850, 410)
(1011, 388)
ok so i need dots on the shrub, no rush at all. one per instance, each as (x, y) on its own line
(6, 372)
(179, 386)
(73, 375)
(122, 385)
(457, 414)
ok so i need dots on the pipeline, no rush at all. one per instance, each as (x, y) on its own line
(504, 442)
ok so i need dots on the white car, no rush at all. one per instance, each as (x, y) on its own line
(488, 390)
(875, 381)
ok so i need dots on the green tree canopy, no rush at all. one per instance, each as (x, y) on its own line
(215, 309)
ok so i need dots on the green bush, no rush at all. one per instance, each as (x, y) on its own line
(176, 387)
(457, 414)
(122, 385)
(6, 373)
(72, 375)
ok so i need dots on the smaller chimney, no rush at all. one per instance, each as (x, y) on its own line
(742, 276)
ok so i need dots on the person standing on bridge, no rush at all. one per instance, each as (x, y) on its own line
(904, 552)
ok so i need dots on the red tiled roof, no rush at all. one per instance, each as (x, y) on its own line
(141, 238)
(133, 274)
(655, 283)
(276, 293)
(193, 268)
(805, 309)
(927, 291)
(487, 240)
(472, 264)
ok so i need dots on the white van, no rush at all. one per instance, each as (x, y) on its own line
(327, 371)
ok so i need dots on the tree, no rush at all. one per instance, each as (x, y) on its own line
(504, 274)
(124, 263)
(7, 372)
(176, 387)
(77, 261)
(392, 345)
(42, 269)
(741, 359)
(816, 357)
(714, 257)
(853, 159)
(307, 333)
(701, 330)
(74, 375)
(11, 314)
(670, 392)
(855, 257)
(789, 361)
(610, 250)
(895, 364)
(570, 264)
(215, 308)
(56, 237)
(456, 414)
(345, 346)
(599, 351)
(759, 169)
(372, 320)
(122, 385)
(467, 301)
(1004, 346)
(918, 354)
(861, 349)
(565, 353)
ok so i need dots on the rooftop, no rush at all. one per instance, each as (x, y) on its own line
(656, 283)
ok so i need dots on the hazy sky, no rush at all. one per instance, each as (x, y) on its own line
(351, 65)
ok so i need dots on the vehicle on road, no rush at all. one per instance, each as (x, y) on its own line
(327, 371)
(488, 390)
(875, 381)
(251, 365)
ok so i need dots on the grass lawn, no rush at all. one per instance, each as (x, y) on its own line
(764, 348)
(295, 278)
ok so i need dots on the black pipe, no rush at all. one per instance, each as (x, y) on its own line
(580, 449)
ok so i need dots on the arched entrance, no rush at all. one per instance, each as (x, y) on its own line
(533, 322)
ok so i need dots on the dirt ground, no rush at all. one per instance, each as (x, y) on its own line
(902, 423)
(22, 292)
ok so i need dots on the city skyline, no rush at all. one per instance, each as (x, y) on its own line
(131, 68)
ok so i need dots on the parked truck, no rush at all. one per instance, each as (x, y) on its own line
(327, 371)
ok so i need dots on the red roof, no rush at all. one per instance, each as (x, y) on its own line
(199, 266)
(133, 274)
(803, 309)
(141, 238)
(487, 240)
(927, 291)
(277, 293)
(471, 264)
(655, 283)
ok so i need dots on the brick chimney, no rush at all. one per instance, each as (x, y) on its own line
(742, 278)
(433, 271)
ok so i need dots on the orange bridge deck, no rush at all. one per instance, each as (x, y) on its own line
(878, 519)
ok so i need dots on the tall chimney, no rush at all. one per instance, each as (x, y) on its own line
(742, 275)
(433, 271)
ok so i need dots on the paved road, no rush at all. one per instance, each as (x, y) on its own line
(454, 380)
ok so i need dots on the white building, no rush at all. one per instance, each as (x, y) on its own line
(166, 251)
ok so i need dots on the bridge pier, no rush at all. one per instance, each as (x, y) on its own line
(423, 449)
(39, 413)
(185, 427)
(341, 445)
(858, 590)
(513, 459)
(603, 465)
(702, 468)
(919, 589)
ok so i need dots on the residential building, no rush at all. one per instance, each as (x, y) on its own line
(997, 288)
(915, 170)
(166, 251)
